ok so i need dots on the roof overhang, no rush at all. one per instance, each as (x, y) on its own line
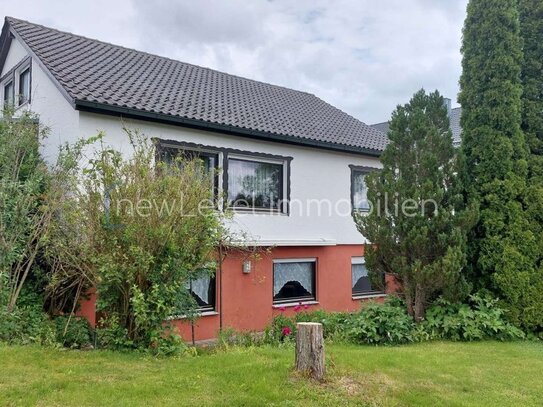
(103, 108)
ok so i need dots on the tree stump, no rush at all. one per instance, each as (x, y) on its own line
(310, 349)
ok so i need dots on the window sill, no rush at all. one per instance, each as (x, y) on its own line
(294, 304)
(200, 314)
(249, 211)
(367, 296)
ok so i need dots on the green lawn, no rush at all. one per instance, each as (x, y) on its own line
(452, 374)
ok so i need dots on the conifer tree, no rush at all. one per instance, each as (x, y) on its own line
(502, 246)
(417, 223)
(531, 27)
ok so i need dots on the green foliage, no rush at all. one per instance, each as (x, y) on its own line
(26, 324)
(504, 247)
(418, 219)
(141, 233)
(531, 25)
(389, 324)
(23, 215)
(481, 319)
(73, 332)
(381, 324)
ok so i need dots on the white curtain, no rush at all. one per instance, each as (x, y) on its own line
(254, 184)
(285, 272)
(360, 191)
(200, 288)
(359, 271)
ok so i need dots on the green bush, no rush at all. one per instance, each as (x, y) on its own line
(389, 324)
(26, 325)
(73, 332)
(481, 318)
(386, 323)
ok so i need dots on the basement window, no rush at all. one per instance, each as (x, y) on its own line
(361, 281)
(293, 280)
(203, 290)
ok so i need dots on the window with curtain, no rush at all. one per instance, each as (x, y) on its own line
(255, 184)
(361, 282)
(8, 93)
(359, 195)
(24, 86)
(293, 280)
(202, 290)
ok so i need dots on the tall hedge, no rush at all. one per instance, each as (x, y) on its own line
(531, 25)
(502, 246)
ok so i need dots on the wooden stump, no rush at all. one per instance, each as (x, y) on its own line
(310, 349)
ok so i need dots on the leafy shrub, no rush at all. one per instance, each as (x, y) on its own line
(376, 323)
(73, 332)
(26, 325)
(482, 318)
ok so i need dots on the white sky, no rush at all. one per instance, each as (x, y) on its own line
(362, 56)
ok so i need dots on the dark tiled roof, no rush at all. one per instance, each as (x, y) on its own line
(454, 123)
(94, 72)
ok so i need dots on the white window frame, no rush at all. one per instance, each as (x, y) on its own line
(357, 260)
(291, 301)
(17, 81)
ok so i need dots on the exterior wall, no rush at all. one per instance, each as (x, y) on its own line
(54, 110)
(315, 175)
(248, 298)
(15, 55)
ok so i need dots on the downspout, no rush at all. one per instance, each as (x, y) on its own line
(220, 286)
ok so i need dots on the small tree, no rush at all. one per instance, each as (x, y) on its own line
(142, 229)
(417, 223)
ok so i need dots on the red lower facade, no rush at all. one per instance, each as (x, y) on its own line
(245, 301)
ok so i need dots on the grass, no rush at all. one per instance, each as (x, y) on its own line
(429, 374)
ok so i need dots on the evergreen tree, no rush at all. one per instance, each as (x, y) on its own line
(502, 246)
(417, 224)
(531, 26)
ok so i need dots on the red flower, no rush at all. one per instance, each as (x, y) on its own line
(282, 309)
(286, 331)
(306, 306)
(297, 308)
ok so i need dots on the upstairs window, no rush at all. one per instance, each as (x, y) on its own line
(293, 280)
(24, 86)
(361, 282)
(209, 161)
(359, 190)
(8, 93)
(256, 184)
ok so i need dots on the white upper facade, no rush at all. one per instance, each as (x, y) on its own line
(316, 181)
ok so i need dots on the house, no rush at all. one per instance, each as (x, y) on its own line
(454, 119)
(317, 155)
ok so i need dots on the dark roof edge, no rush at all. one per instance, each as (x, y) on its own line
(103, 108)
(48, 73)
(5, 42)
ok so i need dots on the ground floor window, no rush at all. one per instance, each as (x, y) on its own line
(361, 281)
(202, 290)
(293, 280)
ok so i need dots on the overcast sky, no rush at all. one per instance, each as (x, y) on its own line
(362, 56)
